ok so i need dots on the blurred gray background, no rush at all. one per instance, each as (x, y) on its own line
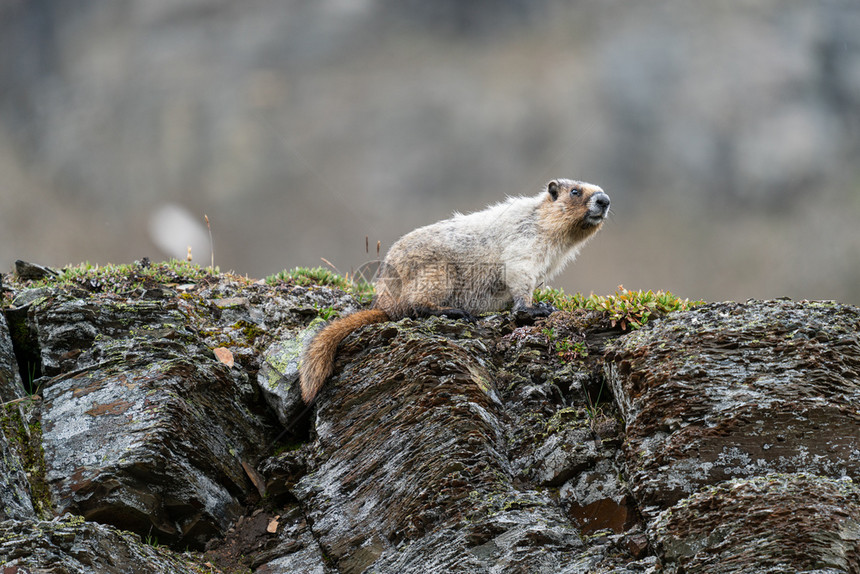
(726, 133)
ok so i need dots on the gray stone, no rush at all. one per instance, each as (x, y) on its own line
(71, 545)
(732, 390)
(296, 550)
(437, 445)
(11, 387)
(33, 271)
(424, 483)
(565, 454)
(143, 428)
(278, 377)
(15, 500)
(598, 499)
(772, 523)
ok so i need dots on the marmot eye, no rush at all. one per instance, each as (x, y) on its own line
(575, 192)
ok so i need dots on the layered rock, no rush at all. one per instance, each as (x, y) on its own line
(15, 499)
(742, 392)
(722, 439)
(772, 523)
(74, 545)
(143, 428)
(11, 387)
(411, 469)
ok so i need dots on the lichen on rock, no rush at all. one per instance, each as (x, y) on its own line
(143, 428)
(71, 544)
(413, 468)
(11, 387)
(770, 523)
(734, 390)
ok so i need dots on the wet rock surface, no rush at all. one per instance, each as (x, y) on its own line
(772, 523)
(742, 392)
(15, 499)
(142, 427)
(11, 387)
(502, 445)
(73, 545)
(439, 428)
(739, 390)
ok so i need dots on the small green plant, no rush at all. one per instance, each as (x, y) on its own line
(625, 308)
(594, 410)
(152, 540)
(30, 383)
(569, 350)
(565, 349)
(327, 313)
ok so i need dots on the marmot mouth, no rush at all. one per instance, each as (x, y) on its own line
(595, 218)
(598, 208)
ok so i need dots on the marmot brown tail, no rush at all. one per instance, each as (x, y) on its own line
(318, 359)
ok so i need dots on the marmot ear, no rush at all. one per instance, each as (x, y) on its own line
(552, 188)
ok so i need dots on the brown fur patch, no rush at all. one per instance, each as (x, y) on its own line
(318, 360)
(564, 220)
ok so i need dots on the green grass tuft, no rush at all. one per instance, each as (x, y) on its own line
(125, 277)
(361, 290)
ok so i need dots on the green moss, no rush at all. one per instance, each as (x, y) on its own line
(287, 446)
(126, 277)
(23, 430)
(568, 417)
(624, 308)
(250, 330)
(821, 304)
(304, 276)
(309, 276)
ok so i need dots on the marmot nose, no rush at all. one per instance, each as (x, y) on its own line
(601, 200)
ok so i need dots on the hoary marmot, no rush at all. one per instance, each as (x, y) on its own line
(470, 264)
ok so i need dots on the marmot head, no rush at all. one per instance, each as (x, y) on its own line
(574, 208)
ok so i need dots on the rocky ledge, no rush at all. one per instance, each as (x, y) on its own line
(151, 423)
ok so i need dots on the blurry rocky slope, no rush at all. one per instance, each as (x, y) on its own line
(140, 434)
(726, 134)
